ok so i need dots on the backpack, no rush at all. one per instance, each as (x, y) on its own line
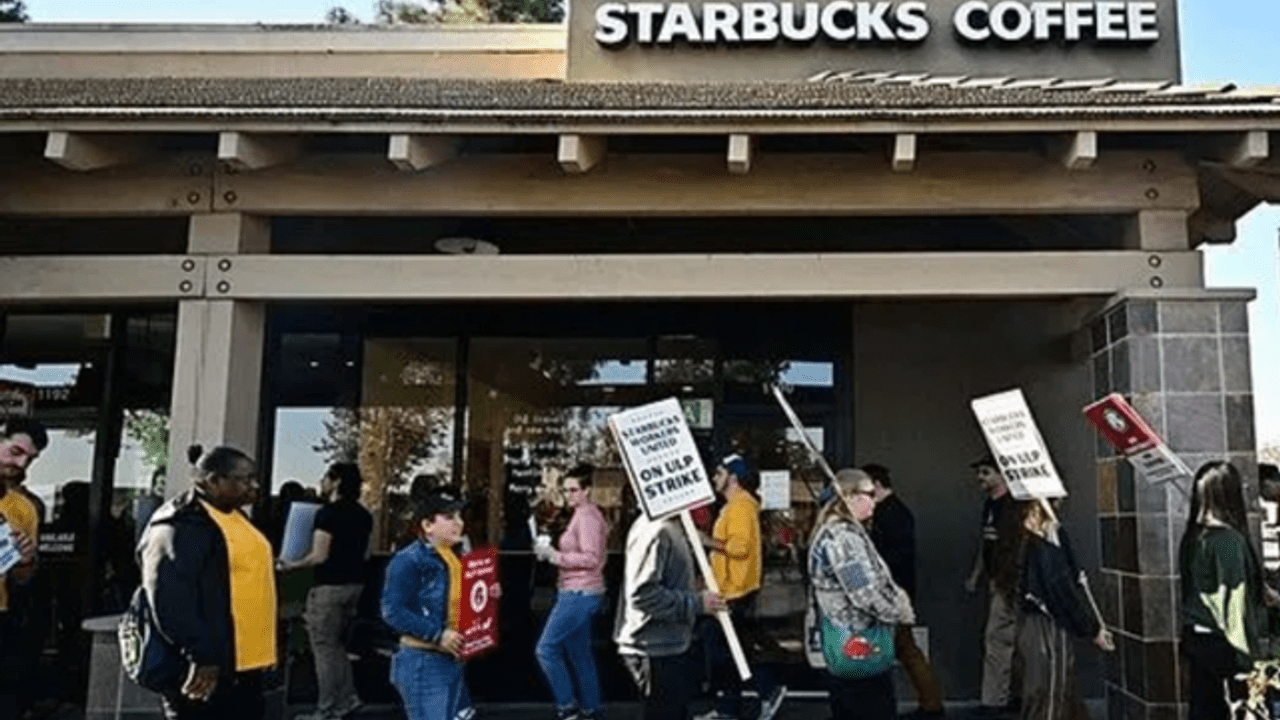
(146, 656)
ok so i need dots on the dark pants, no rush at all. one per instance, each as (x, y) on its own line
(667, 684)
(1210, 661)
(238, 697)
(1049, 687)
(866, 699)
(11, 668)
(723, 671)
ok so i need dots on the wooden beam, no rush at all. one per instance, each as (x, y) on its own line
(1248, 149)
(411, 153)
(1159, 230)
(741, 148)
(83, 152)
(1080, 151)
(579, 153)
(777, 276)
(179, 184)
(654, 185)
(96, 278)
(246, 151)
(904, 152)
(696, 184)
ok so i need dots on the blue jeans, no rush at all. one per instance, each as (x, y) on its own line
(431, 684)
(567, 635)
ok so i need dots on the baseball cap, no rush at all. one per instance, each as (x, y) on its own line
(736, 465)
(441, 500)
(987, 460)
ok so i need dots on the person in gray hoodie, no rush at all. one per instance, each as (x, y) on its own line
(657, 608)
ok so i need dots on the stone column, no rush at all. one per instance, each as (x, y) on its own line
(1183, 363)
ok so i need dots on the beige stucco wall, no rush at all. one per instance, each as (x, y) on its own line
(110, 51)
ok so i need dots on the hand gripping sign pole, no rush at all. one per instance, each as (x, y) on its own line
(666, 473)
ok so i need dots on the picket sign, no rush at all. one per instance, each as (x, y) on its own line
(666, 473)
(1023, 458)
(1129, 433)
(1015, 441)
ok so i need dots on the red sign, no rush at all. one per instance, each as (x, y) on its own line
(1121, 425)
(1125, 429)
(478, 620)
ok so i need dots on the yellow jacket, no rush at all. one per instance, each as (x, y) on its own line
(737, 567)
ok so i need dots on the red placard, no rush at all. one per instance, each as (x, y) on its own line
(1121, 425)
(478, 619)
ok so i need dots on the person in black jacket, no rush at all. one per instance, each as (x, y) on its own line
(1055, 610)
(893, 531)
(209, 577)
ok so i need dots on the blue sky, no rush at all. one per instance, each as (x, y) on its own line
(1222, 40)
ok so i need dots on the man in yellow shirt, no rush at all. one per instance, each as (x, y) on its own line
(736, 551)
(20, 444)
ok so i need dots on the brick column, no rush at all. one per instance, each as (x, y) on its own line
(1183, 362)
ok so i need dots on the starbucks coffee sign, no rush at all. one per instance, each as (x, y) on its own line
(654, 23)
(719, 40)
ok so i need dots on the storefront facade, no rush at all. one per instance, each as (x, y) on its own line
(449, 253)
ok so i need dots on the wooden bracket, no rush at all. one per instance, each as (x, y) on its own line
(412, 153)
(579, 153)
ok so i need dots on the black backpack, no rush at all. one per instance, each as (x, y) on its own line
(146, 656)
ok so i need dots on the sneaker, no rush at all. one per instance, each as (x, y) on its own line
(714, 714)
(353, 707)
(769, 704)
(568, 714)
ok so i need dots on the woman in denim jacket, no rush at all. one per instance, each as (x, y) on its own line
(421, 600)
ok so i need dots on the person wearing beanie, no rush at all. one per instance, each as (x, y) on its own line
(736, 562)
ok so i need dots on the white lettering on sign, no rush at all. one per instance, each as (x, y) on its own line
(870, 21)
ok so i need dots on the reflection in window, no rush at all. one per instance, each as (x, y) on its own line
(538, 406)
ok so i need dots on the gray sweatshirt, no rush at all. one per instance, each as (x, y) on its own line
(659, 601)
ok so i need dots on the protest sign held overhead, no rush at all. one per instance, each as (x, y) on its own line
(1017, 445)
(661, 458)
(1133, 438)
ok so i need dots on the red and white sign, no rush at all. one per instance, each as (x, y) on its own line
(1129, 434)
(478, 619)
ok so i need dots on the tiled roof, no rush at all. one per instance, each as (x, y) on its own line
(868, 95)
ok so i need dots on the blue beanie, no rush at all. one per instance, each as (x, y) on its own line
(736, 465)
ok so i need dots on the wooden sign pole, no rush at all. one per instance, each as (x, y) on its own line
(730, 635)
(1083, 579)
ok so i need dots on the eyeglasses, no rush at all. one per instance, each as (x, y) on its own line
(868, 493)
(573, 490)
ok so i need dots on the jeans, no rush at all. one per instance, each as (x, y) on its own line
(567, 636)
(723, 671)
(667, 684)
(238, 696)
(329, 608)
(431, 684)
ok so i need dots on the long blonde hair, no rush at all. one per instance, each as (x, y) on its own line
(847, 481)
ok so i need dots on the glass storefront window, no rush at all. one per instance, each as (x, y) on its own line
(537, 407)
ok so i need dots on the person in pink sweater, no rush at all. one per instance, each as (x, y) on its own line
(566, 639)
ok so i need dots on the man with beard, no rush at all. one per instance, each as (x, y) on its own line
(21, 442)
